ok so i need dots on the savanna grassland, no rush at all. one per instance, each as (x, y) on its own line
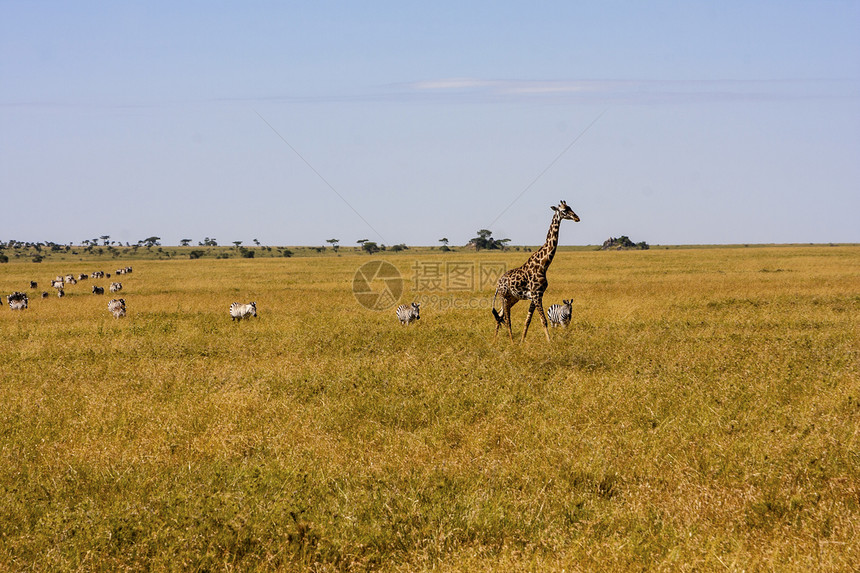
(701, 413)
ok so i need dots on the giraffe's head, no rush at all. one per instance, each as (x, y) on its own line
(565, 212)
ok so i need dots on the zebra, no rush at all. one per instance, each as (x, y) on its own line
(61, 293)
(117, 307)
(17, 300)
(98, 290)
(406, 313)
(115, 287)
(34, 284)
(560, 314)
(239, 311)
(44, 294)
(57, 284)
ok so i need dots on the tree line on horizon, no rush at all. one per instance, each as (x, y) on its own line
(483, 241)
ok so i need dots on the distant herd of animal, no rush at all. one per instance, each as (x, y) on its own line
(116, 306)
(20, 301)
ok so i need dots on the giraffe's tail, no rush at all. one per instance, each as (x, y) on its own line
(496, 314)
(498, 318)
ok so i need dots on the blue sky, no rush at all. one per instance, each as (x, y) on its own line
(405, 122)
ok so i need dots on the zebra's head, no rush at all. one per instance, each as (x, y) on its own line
(567, 302)
(415, 310)
(253, 306)
(565, 212)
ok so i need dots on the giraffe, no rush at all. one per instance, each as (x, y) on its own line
(528, 282)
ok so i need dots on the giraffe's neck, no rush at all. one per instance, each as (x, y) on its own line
(543, 256)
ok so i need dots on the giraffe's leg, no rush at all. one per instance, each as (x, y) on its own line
(539, 306)
(528, 319)
(509, 303)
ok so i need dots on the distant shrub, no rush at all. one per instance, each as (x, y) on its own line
(3, 258)
(623, 242)
(246, 253)
(196, 254)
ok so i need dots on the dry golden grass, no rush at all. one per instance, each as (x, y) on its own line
(700, 413)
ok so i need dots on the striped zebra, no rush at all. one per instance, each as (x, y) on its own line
(239, 311)
(17, 300)
(406, 313)
(116, 306)
(560, 314)
(115, 287)
(98, 290)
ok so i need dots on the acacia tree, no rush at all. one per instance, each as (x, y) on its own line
(485, 240)
(333, 243)
(184, 242)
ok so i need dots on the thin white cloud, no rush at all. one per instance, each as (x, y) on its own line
(635, 91)
(451, 84)
(478, 90)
